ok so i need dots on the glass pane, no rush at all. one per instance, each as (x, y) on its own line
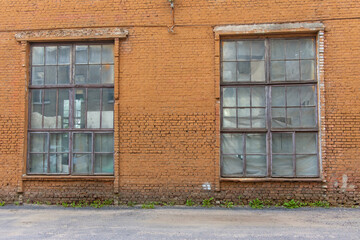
(79, 108)
(38, 163)
(258, 71)
(258, 97)
(81, 74)
(293, 96)
(94, 73)
(277, 96)
(258, 50)
(51, 55)
(232, 165)
(36, 108)
(306, 143)
(63, 74)
(282, 143)
(307, 95)
(278, 119)
(277, 49)
(258, 117)
(292, 49)
(255, 143)
(232, 143)
(229, 118)
(59, 163)
(82, 163)
(107, 118)
(107, 74)
(229, 72)
(82, 142)
(244, 118)
(255, 165)
(307, 70)
(50, 75)
(63, 109)
(277, 71)
(95, 54)
(293, 117)
(292, 71)
(37, 56)
(64, 54)
(307, 165)
(59, 142)
(229, 97)
(282, 166)
(243, 50)
(38, 142)
(37, 76)
(243, 97)
(93, 114)
(243, 71)
(107, 54)
(50, 109)
(81, 53)
(104, 163)
(308, 117)
(229, 51)
(307, 48)
(104, 142)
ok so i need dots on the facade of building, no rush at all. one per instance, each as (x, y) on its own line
(159, 101)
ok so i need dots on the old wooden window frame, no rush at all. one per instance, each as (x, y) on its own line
(71, 87)
(268, 131)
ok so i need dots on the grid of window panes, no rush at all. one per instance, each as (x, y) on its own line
(269, 108)
(71, 109)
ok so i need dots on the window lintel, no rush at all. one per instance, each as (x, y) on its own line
(270, 28)
(83, 34)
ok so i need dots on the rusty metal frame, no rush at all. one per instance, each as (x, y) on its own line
(268, 84)
(72, 87)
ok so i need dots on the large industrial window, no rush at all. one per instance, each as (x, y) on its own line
(71, 109)
(269, 124)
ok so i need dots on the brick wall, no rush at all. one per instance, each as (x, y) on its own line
(167, 106)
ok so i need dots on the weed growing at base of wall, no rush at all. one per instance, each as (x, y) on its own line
(208, 202)
(257, 204)
(148, 205)
(131, 204)
(2, 204)
(189, 203)
(292, 204)
(228, 204)
(323, 204)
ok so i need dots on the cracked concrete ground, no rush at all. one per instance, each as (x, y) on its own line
(52, 222)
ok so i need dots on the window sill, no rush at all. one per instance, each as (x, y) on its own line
(272, 180)
(63, 178)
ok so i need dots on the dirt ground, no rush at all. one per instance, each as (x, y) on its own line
(53, 222)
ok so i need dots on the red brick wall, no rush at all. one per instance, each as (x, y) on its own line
(167, 105)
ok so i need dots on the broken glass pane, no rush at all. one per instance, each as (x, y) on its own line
(232, 165)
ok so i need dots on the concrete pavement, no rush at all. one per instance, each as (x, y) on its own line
(54, 222)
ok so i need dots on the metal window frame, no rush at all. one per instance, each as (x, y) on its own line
(72, 87)
(268, 84)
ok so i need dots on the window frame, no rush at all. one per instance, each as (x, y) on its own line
(71, 87)
(268, 85)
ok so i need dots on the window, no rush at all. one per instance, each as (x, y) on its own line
(269, 124)
(71, 109)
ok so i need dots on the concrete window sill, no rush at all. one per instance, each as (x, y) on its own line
(63, 178)
(272, 180)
